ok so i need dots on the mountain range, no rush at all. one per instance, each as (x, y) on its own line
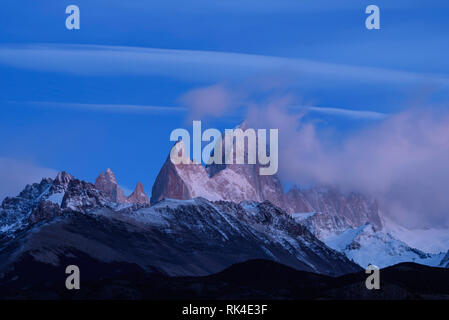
(198, 221)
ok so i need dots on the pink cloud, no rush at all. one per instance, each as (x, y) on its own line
(215, 101)
(403, 160)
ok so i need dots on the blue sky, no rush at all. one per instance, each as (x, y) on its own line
(109, 94)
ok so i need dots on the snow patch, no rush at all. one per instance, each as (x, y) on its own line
(56, 198)
(431, 240)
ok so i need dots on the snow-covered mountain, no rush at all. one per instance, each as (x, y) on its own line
(45, 199)
(189, 180)
(65, 217)
(366, 246)
(242, 182)
(433, 240)
(138, 196)
(55, 197)
(219, 214)
(328, 213)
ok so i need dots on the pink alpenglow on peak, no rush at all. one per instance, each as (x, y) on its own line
(107, 183)
(235, 183)
(227, 148)
(242, 182)
(139, 196)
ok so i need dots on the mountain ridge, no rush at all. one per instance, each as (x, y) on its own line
(242, 182)
(236, 191)
(195, 237)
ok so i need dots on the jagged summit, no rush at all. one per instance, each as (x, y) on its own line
(187, 180)
(139, 196)
(107, 183)
(240, 182)
(63, 178)
(110, 175)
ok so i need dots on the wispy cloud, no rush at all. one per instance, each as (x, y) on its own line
(115, 108)
(196, 65)
(214, 101)
(218, 100)
(348, 113)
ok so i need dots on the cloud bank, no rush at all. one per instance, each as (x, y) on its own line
(401, 160)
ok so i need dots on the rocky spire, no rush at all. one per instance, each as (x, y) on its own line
(191, 180)
(110, 176)
(238, 182)
(139, 196)
(107, 183)
(63, 178)
(61, 182)
(169, 183)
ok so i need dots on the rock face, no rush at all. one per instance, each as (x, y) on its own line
(82, 196)
(139, 196)
(169, 184)
(107, 183)
(240, 182)
(297, 202)
(355, 208)
(234, 183)
(334, 211)
(263, 187)
(46, 210)
(190, 180)
(321, 224)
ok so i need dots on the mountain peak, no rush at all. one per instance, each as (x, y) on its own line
(185, 179)
(109, 175)
(63, 178)
(178, 151)
(139, 186)
(139, 196)
(243, 125)
(239, 182)
(107, 183)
